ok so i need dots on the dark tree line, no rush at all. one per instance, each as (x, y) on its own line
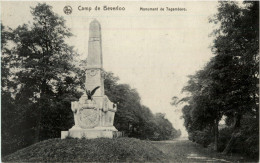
(39, 81)
(135, 119)
(228, 86)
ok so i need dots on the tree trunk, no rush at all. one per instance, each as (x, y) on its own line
(38, 127)
(129, 127)
(39, 118)
(235, 134)
(37, 134)
(216, 135)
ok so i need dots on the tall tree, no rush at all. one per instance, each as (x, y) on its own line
(46, 78)
(10, 140)
(237, 42)
(228, 84)
(204, 107)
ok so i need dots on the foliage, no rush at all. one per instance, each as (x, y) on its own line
(228, 84)
(247, 140)
(88, 150)
(132, 117)
(203, 137)
(237, 40)
(39, 79)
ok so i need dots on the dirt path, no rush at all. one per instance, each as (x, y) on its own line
(183, 150)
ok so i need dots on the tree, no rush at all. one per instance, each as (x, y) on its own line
(135, 119)
(10, 140)
(228, 84)
(237, 40)
(46, 81)
(203, 110)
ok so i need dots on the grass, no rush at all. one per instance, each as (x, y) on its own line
(89, 150)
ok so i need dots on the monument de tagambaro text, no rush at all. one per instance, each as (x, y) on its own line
(94, 112)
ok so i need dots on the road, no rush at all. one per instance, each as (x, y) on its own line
(183, 150)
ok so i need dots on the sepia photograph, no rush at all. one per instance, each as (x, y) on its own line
(133, 81)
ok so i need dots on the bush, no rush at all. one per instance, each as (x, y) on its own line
(247, 143)
(201, 137)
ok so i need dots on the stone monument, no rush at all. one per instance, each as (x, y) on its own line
(94, 112)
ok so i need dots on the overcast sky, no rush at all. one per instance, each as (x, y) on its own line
(152, 51)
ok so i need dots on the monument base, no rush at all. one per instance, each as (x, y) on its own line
(91, 133)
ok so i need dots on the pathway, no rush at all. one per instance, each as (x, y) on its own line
(183, 150)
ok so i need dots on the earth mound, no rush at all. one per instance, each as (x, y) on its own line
(88, 150)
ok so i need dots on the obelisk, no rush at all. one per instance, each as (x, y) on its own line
(95, 60)
(94, 113)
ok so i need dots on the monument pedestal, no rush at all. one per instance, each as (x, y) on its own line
(93, 119)
(91, 133)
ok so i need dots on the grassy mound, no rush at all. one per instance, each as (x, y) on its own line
(88, 150)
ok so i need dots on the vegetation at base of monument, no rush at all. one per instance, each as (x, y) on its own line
(88, 150)
(40, 79)
(227, 87)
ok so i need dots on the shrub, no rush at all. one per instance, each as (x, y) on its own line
(247, 143)
(201, 137)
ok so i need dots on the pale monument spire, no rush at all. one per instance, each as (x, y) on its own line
(94, 61)
(95, 46)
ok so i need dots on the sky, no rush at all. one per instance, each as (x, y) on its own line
(152, 51)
